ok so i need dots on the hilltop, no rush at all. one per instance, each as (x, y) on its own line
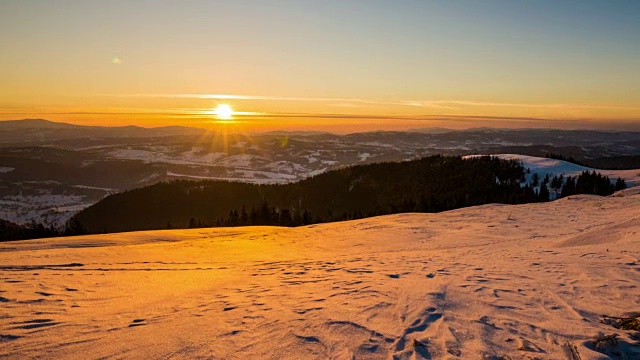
(430, 184)
(479, 282)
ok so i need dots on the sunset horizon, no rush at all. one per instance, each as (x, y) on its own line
(320, 179)
(336, 66)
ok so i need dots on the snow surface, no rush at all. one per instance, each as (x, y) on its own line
(191, 157)
(286, 167)
(150, 178)
(476, 283)
(364, 156)
(48, 209)
(553, 167)
(379, 145)
(94, 188)
(251, 178)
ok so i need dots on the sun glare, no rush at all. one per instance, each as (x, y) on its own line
(223, 112)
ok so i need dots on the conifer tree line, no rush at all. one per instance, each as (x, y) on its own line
(431, 184)
(570, 159)
(33, 230)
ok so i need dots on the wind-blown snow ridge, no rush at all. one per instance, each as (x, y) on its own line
(473, 283)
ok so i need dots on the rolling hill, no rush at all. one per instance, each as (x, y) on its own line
(519, 281)
(429, 184)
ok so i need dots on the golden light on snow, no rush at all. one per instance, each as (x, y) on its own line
(203, 283)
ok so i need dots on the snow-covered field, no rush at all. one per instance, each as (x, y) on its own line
(544, 166)
(47, 209)
(552, 167)
(248, 177)
(477, 283)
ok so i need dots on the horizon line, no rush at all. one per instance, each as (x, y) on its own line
(409, 130)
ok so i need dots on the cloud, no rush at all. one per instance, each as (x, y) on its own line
(257, 116)
(439, 104)
(283, 98)
(430, 103)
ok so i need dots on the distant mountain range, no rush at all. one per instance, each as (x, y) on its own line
(39, 131)
(49, 171)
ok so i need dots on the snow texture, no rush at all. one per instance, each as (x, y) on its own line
(487, 282)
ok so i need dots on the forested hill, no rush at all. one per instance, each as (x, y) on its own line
(431, 184)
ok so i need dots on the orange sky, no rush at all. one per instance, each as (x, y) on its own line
(263, 113)
(337, 65)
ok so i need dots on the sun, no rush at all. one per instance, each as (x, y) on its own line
(223, 112)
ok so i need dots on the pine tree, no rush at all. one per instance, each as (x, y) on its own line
(544, 193)
(296, 218)
(74, 227)
(306, 218)
(569, 187)
(244, 216)
(265, 213)
(285, 218)
(535, 180)
(233, 219)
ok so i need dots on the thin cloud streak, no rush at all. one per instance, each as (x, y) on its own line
(426, 118)
(183, 113)
(442, 104)
(524, 105)
(279, 98)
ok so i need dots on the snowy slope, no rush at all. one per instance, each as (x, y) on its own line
(476, 283)
(544, 166)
